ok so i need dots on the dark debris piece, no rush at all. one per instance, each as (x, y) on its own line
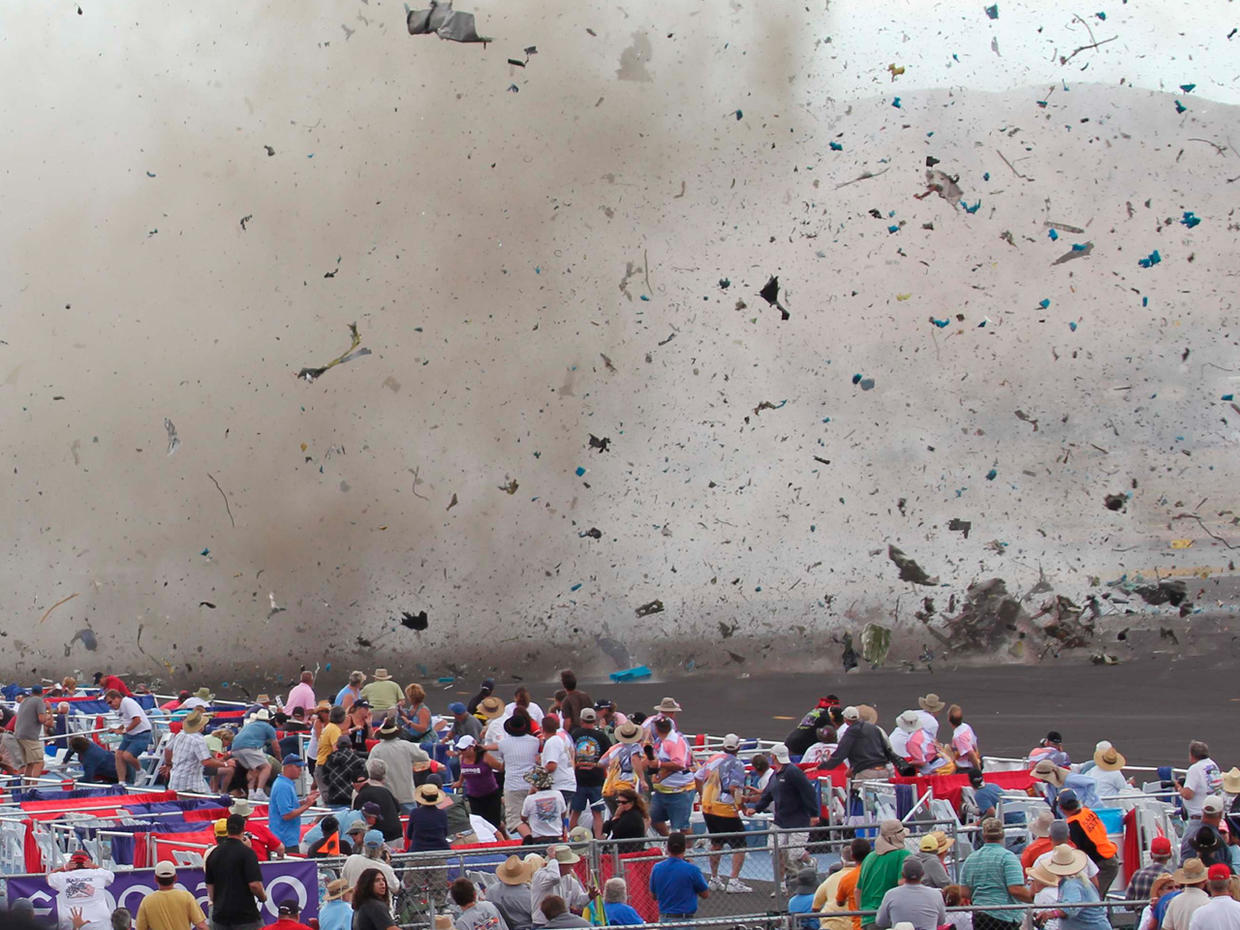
(416, 621)
(206, 604)
(593, 532)
(956, 525)
(1115, 501)
(770, 293)
(510, 487)
(364, 642)
(311, 374)
(909, 570)
(270, 150)
(849, 656)
(654, 607)
(441, 20)
(600, 444)
(1165, 592)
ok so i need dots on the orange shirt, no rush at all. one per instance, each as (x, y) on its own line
(1033, 850)
(1092, 825)
(847, 893)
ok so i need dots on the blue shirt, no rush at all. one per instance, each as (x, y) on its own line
(257, 734)
(96, 759)
(618, 914)
(335, 915)
(802, 904)
(675, 884)
(1161, 905)
(987, 796)
(284, 801)
(1076, 890)
(342, 692)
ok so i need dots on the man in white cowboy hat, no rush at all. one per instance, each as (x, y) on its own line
(186, 755)
(1202, 779)
(931, 706)
(382, 693)
(1074, 890)
(557, 878)
(1191, 877)
(907, 723)
(1222, 911)
(400, 756)
(494, 712)
(250, 749)
(1107, 771)
(511, 894)
(1231, 789)
(666, 709)
(994, 875)
(266, 845)
(336, 912)
(912, 901)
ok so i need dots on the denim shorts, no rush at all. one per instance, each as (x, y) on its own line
(674, 807)
(135, 743)
(586, 796)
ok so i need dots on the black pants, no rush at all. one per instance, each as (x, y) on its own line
(986, 922)
(490, 807)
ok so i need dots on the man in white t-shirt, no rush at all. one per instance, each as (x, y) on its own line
(1203, 779)
(557, 757)
(931, 706)
(135, 730)
(1222, 911)
(964, 751)
(81, 887)
(543, 810)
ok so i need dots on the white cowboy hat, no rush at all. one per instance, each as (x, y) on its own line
(931, 703)
(1108, 758)
(1066, 861)
(909, 721)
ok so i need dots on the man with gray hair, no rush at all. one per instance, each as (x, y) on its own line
(1060, 833)
(374, 795)
(912, 901)
(1222, 911)
(616, 904)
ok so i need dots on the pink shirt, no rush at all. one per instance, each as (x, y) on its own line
(302, 696)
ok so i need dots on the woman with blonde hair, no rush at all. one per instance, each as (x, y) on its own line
(413, 715)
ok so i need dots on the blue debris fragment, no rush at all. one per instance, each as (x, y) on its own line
(636, 673)
(740, 114)
(1102, 16)
(1145, 301)
(1229, 397)
(986, 176)
(205, 551)
(941, 324)
(1151, 260)
(1044, 302)
(895, 102)
(1179, 107)
(646, 297)
(580, 471)
(835, 146)
(1080, 246)
(893, 229)
(1188, 88)
(1072, 326)
(576, 587)
(150, 174)
(971, 209)
(856, 379)
(992, 474)
(1054, 235)
(1190, 219)
(993, 11)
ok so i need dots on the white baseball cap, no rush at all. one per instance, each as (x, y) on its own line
(465, 742)
(731, 741)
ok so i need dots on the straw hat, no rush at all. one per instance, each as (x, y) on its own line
(580, 834)
(565, 855)
(1231, 780)
(628, 733)
(1192, 872)
(194, 721)
(1041, 825)
(1049, 772)
(931, 703)
(443, 922)
(891, 836)
(428, 795)
(204, 694)
(336, 889)
(241, 806)
(261, 714)
(1039, 873)
(909, 721)
(1065, 861)
(513, 871)
(1108, 758)
(533, 862)
(936, 842)
(491, 707)
(381, 674)
(867, 713)
(668, 706)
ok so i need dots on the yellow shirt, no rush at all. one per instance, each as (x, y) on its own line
(327, 743)
(174, 909)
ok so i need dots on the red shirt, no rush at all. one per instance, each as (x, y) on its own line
(287, 923)
(262, 840)
(111, 682)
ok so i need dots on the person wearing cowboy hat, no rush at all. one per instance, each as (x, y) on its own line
(336, 912)
(543, 810)
(187, 754)
(200, 698)
(666, 709)
(1231, 789)
(250, 747)
(1057, 779)
(1045, 888)
(493, 712)
(931, 851)
(920, 748)
(428, 823)
(382, 693)
(511, 894)
(880, 871)
(1107, 770)
(865, 748)
(912, 901)
(1191, 877)
(1074, 890)
(401, 758)
(994, 876)
(801, 900)
(1212, 809)
(1059, 834)
(1089, 834)
(1222, 911)
(931, 705)
(518, 752)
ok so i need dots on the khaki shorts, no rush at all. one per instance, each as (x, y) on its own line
(32, 750)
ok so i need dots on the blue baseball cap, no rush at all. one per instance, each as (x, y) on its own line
(1068, 797)
(457, 707)
(373, 838)
(293, 759)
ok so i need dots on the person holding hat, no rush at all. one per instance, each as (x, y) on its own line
(187, 754)
(518, 754)
(1074, 890)
(912, 901)
(932, 852)
(994, 877)
(511, 894)
(169, 907)
(475, 914)
(352, 690)
(880, 872)
(1045, 888)
(1089, 834)
(543, 810)
(428, 823)
(250, 747)
(382, 693)
(1143, 879)
(801, 900)
(82, 885)
(1222, 911)
(284, 810)
(233, 879)
(558, 877)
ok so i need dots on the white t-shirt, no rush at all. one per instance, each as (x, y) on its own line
(536, 712)
(1109, 783)
(964, 740)
(1221, 913)
(1205, 779)
(544, 811)
(85, 889)
(1091, 868)
(929, 723)
(899, 742)
(818, 752)
(556, 750)
(129, 709)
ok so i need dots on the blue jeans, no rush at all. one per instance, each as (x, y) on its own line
(674, 807)
(586, 796)
(135, 744)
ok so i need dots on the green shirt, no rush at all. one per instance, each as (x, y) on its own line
(989, 872)
(383, 694)
(879, 874)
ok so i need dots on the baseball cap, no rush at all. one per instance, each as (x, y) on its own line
(912, 869)
(165, 869)
(289, 905)
(1160, 846)
(588, 715)
(731, 741)
(851, 713)
(79, 856)
(1068, 798)
(371, 809)
(465, 742)
(456, 707)
(373, 838)
(293, 759)
(1054, 737)
(779, 752)
(1218, 872)
(1212, 805)
(221, 827)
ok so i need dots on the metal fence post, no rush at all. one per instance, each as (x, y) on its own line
(777, 869)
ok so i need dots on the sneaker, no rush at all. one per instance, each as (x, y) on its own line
(714, 884)
(736, 886)
(258, 794)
